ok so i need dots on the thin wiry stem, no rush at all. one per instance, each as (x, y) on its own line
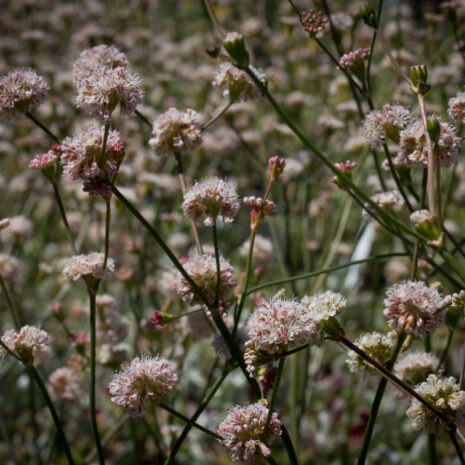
(61, 208)
(107, 232)
(14, 314)
(43, 127)
(274, 394)
(218, 266)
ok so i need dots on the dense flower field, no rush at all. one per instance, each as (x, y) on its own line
(232, 231)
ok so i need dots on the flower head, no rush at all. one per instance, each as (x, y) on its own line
(65, 384)
(21, 91)
(104, 88)
(386, 123)
(26, 342)
(88, 267)
(414, 308)
(202, 271)
(376, 345)
(325, 305)
(243, 432)
(313, 22)
(445, 395)
(211, 197)
(414, 367)
(145, 379)
(387, 200)
(175, 131)
(457, 107)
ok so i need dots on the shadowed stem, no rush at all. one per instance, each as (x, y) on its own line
(35, 375)
(43, 127)
(206, 400)
(143, 118)
(92, 408)
(217, 259)
(458, 449)
(187, 420)
(274, 395)
(16, 318)
(217, 116)
(377, 403)
(61, 208)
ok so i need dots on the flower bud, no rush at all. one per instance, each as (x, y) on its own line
(213, 51)
(419, 75)
(367, 13)
(276, 167)
(234, 45)
(433, 127)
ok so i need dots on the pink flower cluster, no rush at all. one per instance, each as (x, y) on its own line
(26, 342)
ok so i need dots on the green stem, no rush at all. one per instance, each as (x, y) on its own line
(205, 401)
(217, 259)
(101, 160)
(61, 208)
(16, 318)
(35, 375)
(274, 394)
(43, 127)
(377, 402)
(458, 449)
(143, 118)
(432, 455)
(107, 232)
(92, 409)
(446, 349)
(187, 420)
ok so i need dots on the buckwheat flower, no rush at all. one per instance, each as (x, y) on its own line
(211, 197)
(376, 345)
(100, 55)
(21, 91)
(446, 396)
(387, 200)
(45, 161)
(202, 271)
(267, 207)
(378, 125)
(11, 269)
(325, 305)
(65, 384)
(104, 88)
(313, 22)
(145, 379)
(349, 59)
(279, 325)
(414, 147)
(20, 230)
(243, 432)
(88, 267)
(456, 108)
(457, 302)
(26, 342)
(414, 308)
(263, 251)
(175, 131)
(81, 155)
(414, 367)
(240, 87)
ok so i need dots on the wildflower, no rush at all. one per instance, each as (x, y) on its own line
(82, 156)
(175, 131)
(105, 88)
(260, 208)
(263, 251)
(145, 379)
(11, 269)
(65, 384)
(234, 45)
(88, 267)
(100, 55)
(240, 86)
(20, 230)
(445, 395)
(424, 223)
(387, 200)
(346, 167)
(211, 197)
(414, 147)
(26, 343)
(457, 303)
(313, 22)
(456, 108)
(414, 308)
(354, 61)
(276, 166)
(266, 377)
(376, 345)
(378, 125)
(47, 163)
(21, 91)
(279, 325)
(243, 432)
(414, 367)
(202, 270)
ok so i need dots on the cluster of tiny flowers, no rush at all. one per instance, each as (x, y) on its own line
(65, 384)
(211, 197)
(267, 207)
(175, 131)
(376, 345)
(349, 59)
(313, 22)
(46, 160)
(378, 125)
(82, 153)
(325, 305)
(346, 166)
(457, 107)
(420, 217)
(243, 432)
(278, 325)
(414, 308)
(105, 88)
(88, 266)
(414, 367)
(387, 200)
(21, 91)
(456, 302)
(414, 147)
(26, 342)
(240, 86)
(445, 395)
(202, 271)
(100, 55)
(145, 379)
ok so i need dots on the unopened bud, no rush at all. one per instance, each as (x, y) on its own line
(419, 76)
(234, 45)
(434, 129)
(276, 166)
(367, 13)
